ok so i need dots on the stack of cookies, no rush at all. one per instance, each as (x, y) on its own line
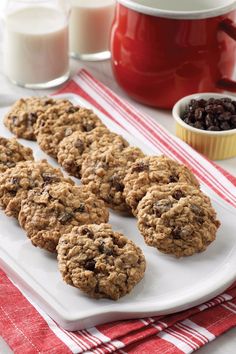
(173, 215)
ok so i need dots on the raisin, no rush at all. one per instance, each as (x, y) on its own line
(178, 194)
(173, 178)
(198, 114)
(176, 233)
(90, 265)
(87, 232)
(229, 107)
(104, 249)
(140, 167)
(212, 114)
(12, 193)
(115, 182)
(200, 220)
(79, 145)
(48, 178)
(47, 101)
(224, 116)
(219, 109)
(209, 120)
(233, 121)
(32, 118)
(225, 126)
(198, 125)
(72, 109)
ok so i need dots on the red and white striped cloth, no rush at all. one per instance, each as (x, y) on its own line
(27, 329)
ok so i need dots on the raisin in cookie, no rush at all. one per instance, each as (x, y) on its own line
(153, 170)
(16, 182)
(11, 152)
(57, 123)
(49, 212)
(76, 147)
(100, 262)
(177, 219)
(23, 115)
(104, 174)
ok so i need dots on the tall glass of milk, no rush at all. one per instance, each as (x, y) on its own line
(36, 42)
(89, 30)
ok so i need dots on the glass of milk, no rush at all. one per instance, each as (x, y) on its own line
(89, 30)
(36, 42)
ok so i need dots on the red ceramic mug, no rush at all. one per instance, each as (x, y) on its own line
(163, 50)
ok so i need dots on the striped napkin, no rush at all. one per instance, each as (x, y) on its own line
(27, 329)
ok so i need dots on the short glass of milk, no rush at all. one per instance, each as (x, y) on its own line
(90, 27)
(36, 42)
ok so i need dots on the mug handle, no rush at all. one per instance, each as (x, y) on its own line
(229, 27)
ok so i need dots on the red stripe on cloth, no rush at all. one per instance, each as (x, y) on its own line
(154, 345)
(218, 321)
(136, 330)
(215, 322)
(228, 175)
(121, 328)
(21, 326)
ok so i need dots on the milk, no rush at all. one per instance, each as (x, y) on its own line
(35, 45)
(90, 25)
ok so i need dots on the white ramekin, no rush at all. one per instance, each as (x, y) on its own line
(216, 145)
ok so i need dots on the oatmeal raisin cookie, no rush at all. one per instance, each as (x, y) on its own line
(12, 152)
(16, 182)
(56, 123)
(153, 170)
(177, 219)
(55, 209)
(100, 262)
(76, 147)
(23, 115)
(104, 174)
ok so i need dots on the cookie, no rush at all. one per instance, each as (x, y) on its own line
(57, 123)
(76, 147)
(104, 174)
(17, 181)
(55, 209)
(11, 152)
(177, 219)
(100, 262)
(153, 170)
(23, 115)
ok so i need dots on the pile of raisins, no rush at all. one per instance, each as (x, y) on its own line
(212, 114)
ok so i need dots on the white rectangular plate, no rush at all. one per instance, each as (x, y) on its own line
(169, 285)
